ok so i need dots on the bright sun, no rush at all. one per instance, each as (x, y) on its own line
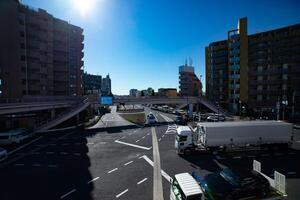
(83, 6)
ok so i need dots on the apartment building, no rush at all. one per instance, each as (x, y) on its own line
(106, 86)
(259, 71)
(92, 83)
(189, 83)
(167, 92)
(39, 54)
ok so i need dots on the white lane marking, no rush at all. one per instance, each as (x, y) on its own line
(148, 133)
(237, 157)
(103, 142)
(130, 133)
(90, 143)
(64, 153)
(141, 181)
(291, 173)
(63, 196)
(135, 131)
(94, 179)
(128, 163)
(137, 141)
(19, 164)
(77, 154)
(163, 136)
(36, 165)
(123, 137)
(52, 166)
(163, 173)
(117, 196)
(133, 145)
(143, 137)
(115, 169)
(219, 157)
(50, 152)
(159, 139)
(25, 145)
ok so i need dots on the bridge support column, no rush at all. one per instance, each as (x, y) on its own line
(52, 113)
(77, 119)
(190, 111)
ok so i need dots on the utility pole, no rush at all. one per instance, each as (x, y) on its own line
(293, 106)
(277, 108)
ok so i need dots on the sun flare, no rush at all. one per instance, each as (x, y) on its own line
(83, 6)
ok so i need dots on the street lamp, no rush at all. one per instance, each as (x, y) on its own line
(217, 103)
(284, 103)
(240, 102)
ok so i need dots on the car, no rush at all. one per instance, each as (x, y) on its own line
(151, 118)
(215, 119)
(3, 154)
(235, 184)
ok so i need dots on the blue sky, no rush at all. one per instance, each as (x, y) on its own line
(141, 43)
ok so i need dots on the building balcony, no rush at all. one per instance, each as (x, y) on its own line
(234, 59)
(234, 67)
(234, 76)
(234, 86)
(234, 96)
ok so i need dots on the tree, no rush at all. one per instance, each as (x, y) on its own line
(152, 93)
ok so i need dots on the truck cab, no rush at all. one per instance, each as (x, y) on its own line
(185, 187)
(184, 140)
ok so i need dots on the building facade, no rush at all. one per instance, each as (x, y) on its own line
(189, 83)
(257, 71)
(92, 83)
(167, 92)
(39, 54)
(106, 86)
(133, 92)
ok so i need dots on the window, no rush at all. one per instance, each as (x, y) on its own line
(22, 57)
(22, 34)
(22, 45)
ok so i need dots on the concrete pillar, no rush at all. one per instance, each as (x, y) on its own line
(190, 113)
(52, 113)
(77, 119)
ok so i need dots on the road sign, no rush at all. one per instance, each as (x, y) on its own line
(106, 100)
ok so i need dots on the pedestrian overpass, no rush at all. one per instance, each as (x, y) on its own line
(180, 100)
(75, 105)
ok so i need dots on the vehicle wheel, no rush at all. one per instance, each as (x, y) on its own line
(187, 152)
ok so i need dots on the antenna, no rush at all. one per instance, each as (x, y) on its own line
(191, 61)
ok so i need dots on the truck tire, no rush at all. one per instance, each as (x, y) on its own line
(187, 152)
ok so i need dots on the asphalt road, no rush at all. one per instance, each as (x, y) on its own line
(117, 163)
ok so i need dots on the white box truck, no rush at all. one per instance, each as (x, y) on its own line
(230, 136)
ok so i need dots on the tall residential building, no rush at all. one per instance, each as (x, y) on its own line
(106, 86)
(39, 54)
(189, 84)
(133, 92)
(256, 71)
(92, 83)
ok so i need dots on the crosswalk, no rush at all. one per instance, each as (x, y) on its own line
(172, 128)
